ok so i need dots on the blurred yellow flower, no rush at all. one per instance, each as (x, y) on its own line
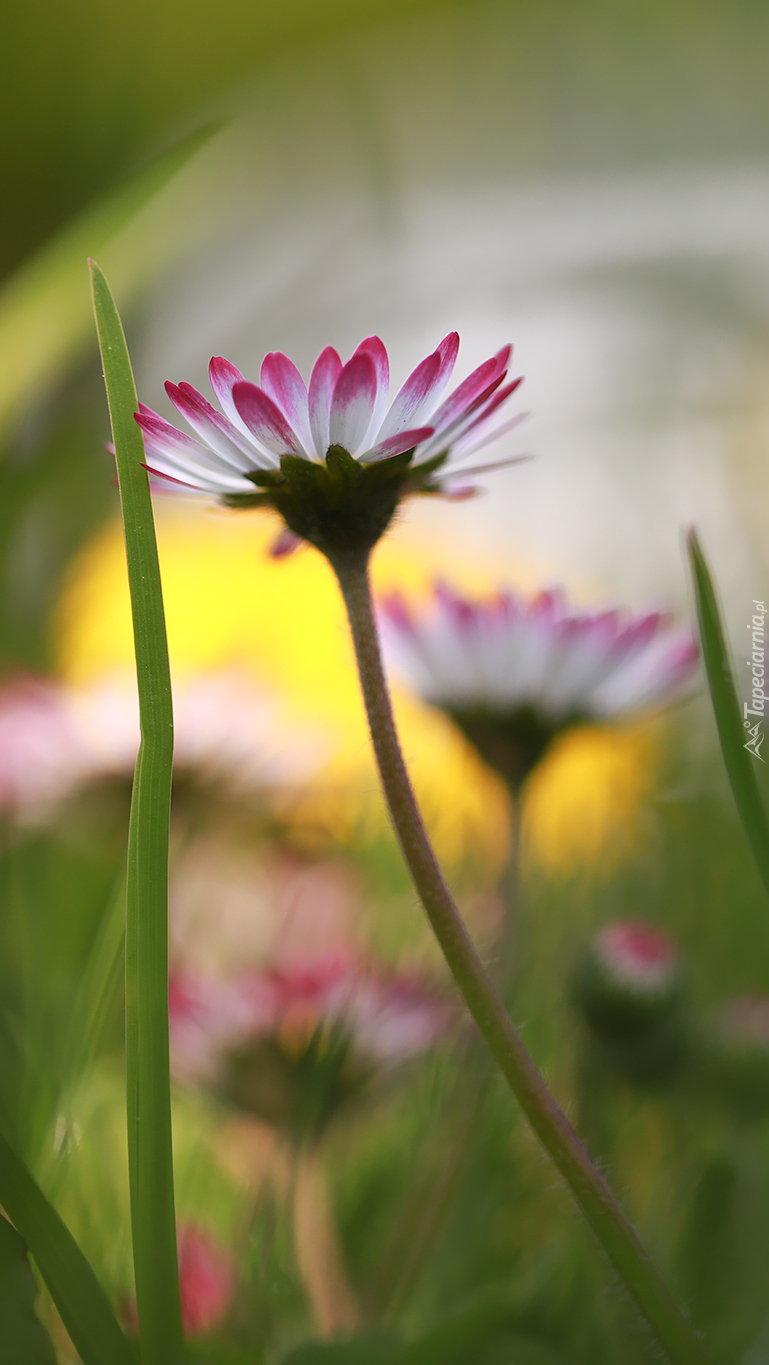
(229, 603)
(584, 803)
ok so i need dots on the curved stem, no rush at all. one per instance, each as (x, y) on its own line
(318, 1253)
(601, 1209)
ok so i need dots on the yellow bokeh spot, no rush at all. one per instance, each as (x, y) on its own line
(585, 803)
(229, 603)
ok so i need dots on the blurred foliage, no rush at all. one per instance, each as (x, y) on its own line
(458, 1243)
(92, 87)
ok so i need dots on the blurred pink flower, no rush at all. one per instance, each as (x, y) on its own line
(41, 750)
(227, 731)
(504, 652)
(513, 672)
(346, 405)
(387, 1017)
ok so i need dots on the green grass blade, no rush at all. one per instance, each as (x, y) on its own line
(148, 1081)
(79, 1298)
(729, 720)
(25, 1339)
(44, 317)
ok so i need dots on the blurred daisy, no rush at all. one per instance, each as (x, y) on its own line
(41, 749)
(228, 735)
(514, 673)
(291, 1044)
(227, 732)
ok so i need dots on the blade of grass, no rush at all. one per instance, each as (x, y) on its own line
(81, 1302)
(25, 1339)
(148, 1081)
(44, 317)
(729, 721)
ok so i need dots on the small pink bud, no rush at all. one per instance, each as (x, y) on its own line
(629, 982)
(637, 956)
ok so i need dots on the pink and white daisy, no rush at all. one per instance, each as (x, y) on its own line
(345, 406)
(228, 736)
(383, 1018)
(513, 672)
(41, 749)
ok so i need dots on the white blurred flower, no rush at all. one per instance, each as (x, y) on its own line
(513, 672)
(41, 749)
(227, 732)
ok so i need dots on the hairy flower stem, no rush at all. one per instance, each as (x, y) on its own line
(601, 1209)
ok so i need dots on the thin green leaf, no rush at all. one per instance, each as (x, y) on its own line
(44, 316)
(729, 719)
(148, 1080)
(25, 1340)
(75, 1290)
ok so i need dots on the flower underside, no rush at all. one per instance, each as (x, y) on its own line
(340, 506)
(332, 457)
(512, 741)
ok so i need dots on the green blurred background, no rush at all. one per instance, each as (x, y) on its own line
(590, 180)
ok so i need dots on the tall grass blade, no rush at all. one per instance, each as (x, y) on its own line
(732, 732)
(75, 1290)
(147, 1062)
(25, 1340)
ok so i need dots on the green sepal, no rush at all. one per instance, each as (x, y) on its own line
(340, 506)
(424, 470)
(341, 463)
(295, 469)
(245, 500)
(265, 478)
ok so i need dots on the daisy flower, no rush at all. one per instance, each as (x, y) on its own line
(513, 673)
(230, 740)
(332, 457)
(292, 1043)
